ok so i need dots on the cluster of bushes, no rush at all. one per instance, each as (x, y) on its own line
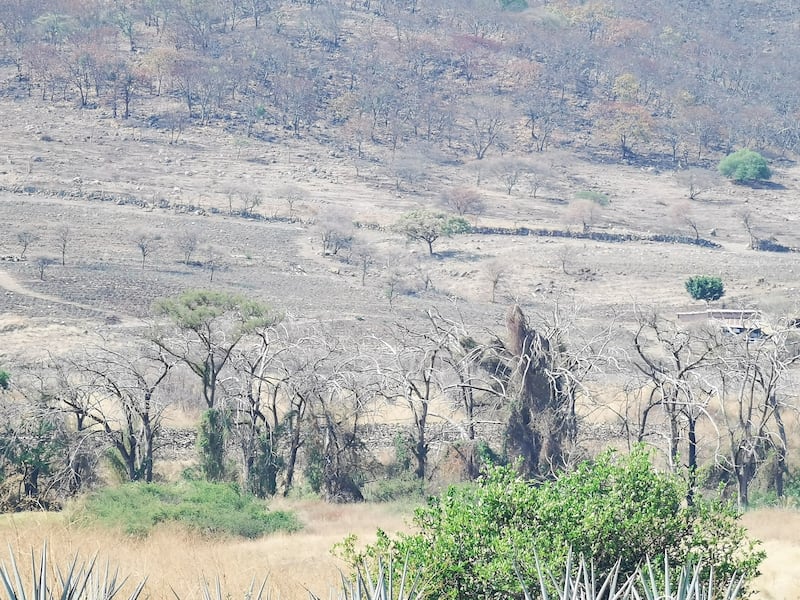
(492, 538)
(208, 508)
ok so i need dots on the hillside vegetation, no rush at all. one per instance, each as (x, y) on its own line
(364, 250)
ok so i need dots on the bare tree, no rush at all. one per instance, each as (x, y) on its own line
(249, 202)
(682, 214)
(749, 226)
(697, 181)
(751, 378)
(673, 361)
(42, 262)
(463, 201)
(63, 238)
(509, 171)
(131, 380)
(583, 212)
(187, 242)
(292, 195)
(25, 239)
(147, 244)
(335, 229)
(495, 271)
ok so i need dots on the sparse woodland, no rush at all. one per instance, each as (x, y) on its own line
(291, 332)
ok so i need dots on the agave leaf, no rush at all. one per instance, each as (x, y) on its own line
(4, 575)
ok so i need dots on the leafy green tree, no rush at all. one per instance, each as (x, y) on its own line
(208, 326)
(5, 379)
(705, 287)
(744, 165)
(474, 542)
(428, 226)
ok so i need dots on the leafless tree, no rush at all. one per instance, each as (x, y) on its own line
(509, 171)
(682, 214)
(673, 361)
(148, 244)
(749, 226)
(187, 242)
(42, 262)
(495, 271)
(336, 231)
(292, 195)
(463, 201)
(63, 238)
(697, 181)
(753, 374)
(122, 398)
(25, 239)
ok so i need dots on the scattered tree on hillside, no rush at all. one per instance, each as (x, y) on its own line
(744, 166)
(42, 262)
(705, 287)
(428, 226)
(336, 231)
(26, 239)
(148, 244)
(697, 181)
(463, 201)
(63, 239)
(187, 242)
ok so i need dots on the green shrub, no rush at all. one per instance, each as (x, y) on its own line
(744, 165)
(210, 508)
(705, 287)
(596, 197)
(476, 541)
(5, 379)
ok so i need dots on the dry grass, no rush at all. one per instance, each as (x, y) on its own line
(779, 530)
(172, 559)
(301, 562)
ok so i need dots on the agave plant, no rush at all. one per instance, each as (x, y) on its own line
(82, 580)
(216, 593)
(386, 584)
(689, 584)
(579, 581)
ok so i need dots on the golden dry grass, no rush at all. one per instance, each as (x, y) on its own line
(172, 559)
(297, 563)
(779, 530)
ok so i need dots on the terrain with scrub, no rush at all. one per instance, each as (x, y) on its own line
(584, 235)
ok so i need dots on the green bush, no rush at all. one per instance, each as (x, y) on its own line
(5, 379)
(705, 287)
(744, 165)
(596, 197)
(210, 508)
(477, 541)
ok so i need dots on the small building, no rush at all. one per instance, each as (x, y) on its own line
(730, 320)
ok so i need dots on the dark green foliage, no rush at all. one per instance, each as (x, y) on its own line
(211, 443)
(211, 508)
(33, 452)
(5, 379)
(617, 508)
(262, 479)
(744, 165)
(514, 5)
(705, 287)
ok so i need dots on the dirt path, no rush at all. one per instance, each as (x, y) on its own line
(10, 284)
